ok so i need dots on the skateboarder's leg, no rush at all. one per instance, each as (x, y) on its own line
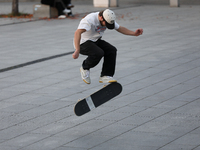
(94, 53)
(110, 53)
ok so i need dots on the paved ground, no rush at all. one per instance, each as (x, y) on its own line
(159, 71)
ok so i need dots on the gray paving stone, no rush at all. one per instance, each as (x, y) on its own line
(71, 148)
(24, 140)
(196, 148)
(134, 120)
(191, 108)
(170, 104)
(189, 139)
(12, 132)
(47, 143)
(88, 141)
(177, 146)
(10, 147)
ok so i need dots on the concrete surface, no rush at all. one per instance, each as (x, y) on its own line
(158, 108)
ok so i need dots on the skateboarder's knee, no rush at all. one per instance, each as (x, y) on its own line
(99, 54)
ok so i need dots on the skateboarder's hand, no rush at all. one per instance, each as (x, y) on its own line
(75, 55)
(138, 32)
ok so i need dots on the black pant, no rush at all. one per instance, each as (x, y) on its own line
(95, 51)
(60, 6)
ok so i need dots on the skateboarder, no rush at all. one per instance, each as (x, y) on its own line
(87, 41)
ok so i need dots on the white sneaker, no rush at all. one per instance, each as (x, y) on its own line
(62, 17)
(85, 74)
(66, 11)
(107, 79)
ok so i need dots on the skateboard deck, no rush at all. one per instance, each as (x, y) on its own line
(98, 98)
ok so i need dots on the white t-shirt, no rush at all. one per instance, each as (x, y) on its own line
(93, 27)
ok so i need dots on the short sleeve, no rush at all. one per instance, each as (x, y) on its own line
(84, 24)
(116, 25)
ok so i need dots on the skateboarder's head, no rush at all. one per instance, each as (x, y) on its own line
(108, 18)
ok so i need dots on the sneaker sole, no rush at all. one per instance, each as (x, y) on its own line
(108, 81)
(86, 81)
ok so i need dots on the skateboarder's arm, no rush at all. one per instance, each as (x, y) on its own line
(126, 31)
(77, 38)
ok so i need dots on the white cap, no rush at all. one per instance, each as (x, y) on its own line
(109, 17)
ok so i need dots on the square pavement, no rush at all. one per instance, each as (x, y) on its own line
(158, 108)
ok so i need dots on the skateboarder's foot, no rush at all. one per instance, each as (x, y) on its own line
(107, 79)
(85, 74)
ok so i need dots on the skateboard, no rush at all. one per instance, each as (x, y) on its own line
(98, 98)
